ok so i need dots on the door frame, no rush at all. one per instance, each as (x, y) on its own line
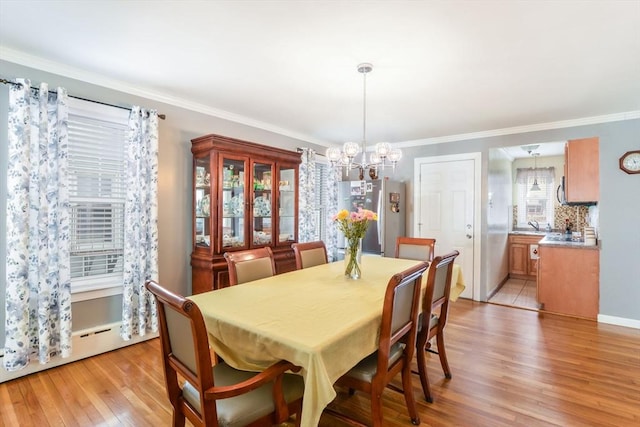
(477, 204)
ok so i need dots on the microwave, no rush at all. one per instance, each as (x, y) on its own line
(562, 196)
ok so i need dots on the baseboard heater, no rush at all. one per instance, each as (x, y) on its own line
(85, 343)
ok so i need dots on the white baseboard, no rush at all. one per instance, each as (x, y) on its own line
(85, 343)
(620, 321)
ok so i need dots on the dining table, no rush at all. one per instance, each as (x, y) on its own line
(315, 318)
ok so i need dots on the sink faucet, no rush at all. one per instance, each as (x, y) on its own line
(536, 225)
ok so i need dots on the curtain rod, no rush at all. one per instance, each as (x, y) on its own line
(300, 150)
(9, 82)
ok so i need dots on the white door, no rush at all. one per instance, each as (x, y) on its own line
(445, 209)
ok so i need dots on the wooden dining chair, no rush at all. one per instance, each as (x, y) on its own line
(309, 254)
(218, 395)
(398, 329)
(249, 265)
(417, 248)
(433, 317)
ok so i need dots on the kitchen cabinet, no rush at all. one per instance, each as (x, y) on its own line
(582, 170)
(568, 280)
(245, 195)
(521, 265)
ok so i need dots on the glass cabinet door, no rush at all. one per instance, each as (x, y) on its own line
(202, 202)
(233, 203)
(262, 204)
(287, 200)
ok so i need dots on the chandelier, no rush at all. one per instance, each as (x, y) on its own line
(382, 156)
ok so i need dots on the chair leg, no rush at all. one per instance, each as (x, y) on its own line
(376, 407)
(408, 394)
(298, 412)
(422, 370)
(443, 354)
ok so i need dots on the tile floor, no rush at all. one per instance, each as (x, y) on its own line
(517, 293)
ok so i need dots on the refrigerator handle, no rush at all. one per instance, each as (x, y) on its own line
(380, 212)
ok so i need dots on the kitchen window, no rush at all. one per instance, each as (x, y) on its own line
(535, 205)
(96, 194)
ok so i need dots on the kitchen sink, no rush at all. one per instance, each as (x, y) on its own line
(559, 238)
(529, 232)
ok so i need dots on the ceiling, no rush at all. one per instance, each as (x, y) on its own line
(543, 150)
(439, 68)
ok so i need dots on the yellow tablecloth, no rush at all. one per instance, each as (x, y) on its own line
(314, 318)
(457, 283)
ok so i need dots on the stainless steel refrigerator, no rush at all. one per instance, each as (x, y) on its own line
(387, 199)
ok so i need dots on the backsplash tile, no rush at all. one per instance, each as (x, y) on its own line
(578, 217)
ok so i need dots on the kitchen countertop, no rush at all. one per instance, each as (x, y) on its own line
(528, 233)
(559, 240)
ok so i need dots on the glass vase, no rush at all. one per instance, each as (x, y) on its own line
(353, 258)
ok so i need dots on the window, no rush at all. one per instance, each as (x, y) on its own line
(320, 208)
(96, 194)
(535, 205)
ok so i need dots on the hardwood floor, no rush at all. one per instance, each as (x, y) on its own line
(510, 368)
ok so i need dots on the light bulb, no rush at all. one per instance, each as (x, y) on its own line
(351, 149)
(395, 155)
(383, 149)
(333, 154)
(375, 159)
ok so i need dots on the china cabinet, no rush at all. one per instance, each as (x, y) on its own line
(245, 195)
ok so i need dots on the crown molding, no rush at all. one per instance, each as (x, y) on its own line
(616, 117)
(18, 57)
(53, 67)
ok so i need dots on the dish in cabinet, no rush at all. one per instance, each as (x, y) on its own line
(205, 205)
(261, 207)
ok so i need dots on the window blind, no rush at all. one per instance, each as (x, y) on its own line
(320, 209)
(96, 189)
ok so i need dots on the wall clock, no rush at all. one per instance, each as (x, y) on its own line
(630, 162)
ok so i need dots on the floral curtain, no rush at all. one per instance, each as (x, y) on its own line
(38, 279)
(139, 314)
(307, 226)
(333, 177)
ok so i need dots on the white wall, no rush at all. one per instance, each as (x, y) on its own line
(499, 203)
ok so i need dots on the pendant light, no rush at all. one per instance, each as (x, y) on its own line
(535, 186)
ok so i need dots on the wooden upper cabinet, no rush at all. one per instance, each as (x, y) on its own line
(582, 170)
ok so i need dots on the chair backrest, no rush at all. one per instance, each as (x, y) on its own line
(438, 290)
(185, 350)
(400, 314)
(309, 254)
(417, 248)
(249, 265)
